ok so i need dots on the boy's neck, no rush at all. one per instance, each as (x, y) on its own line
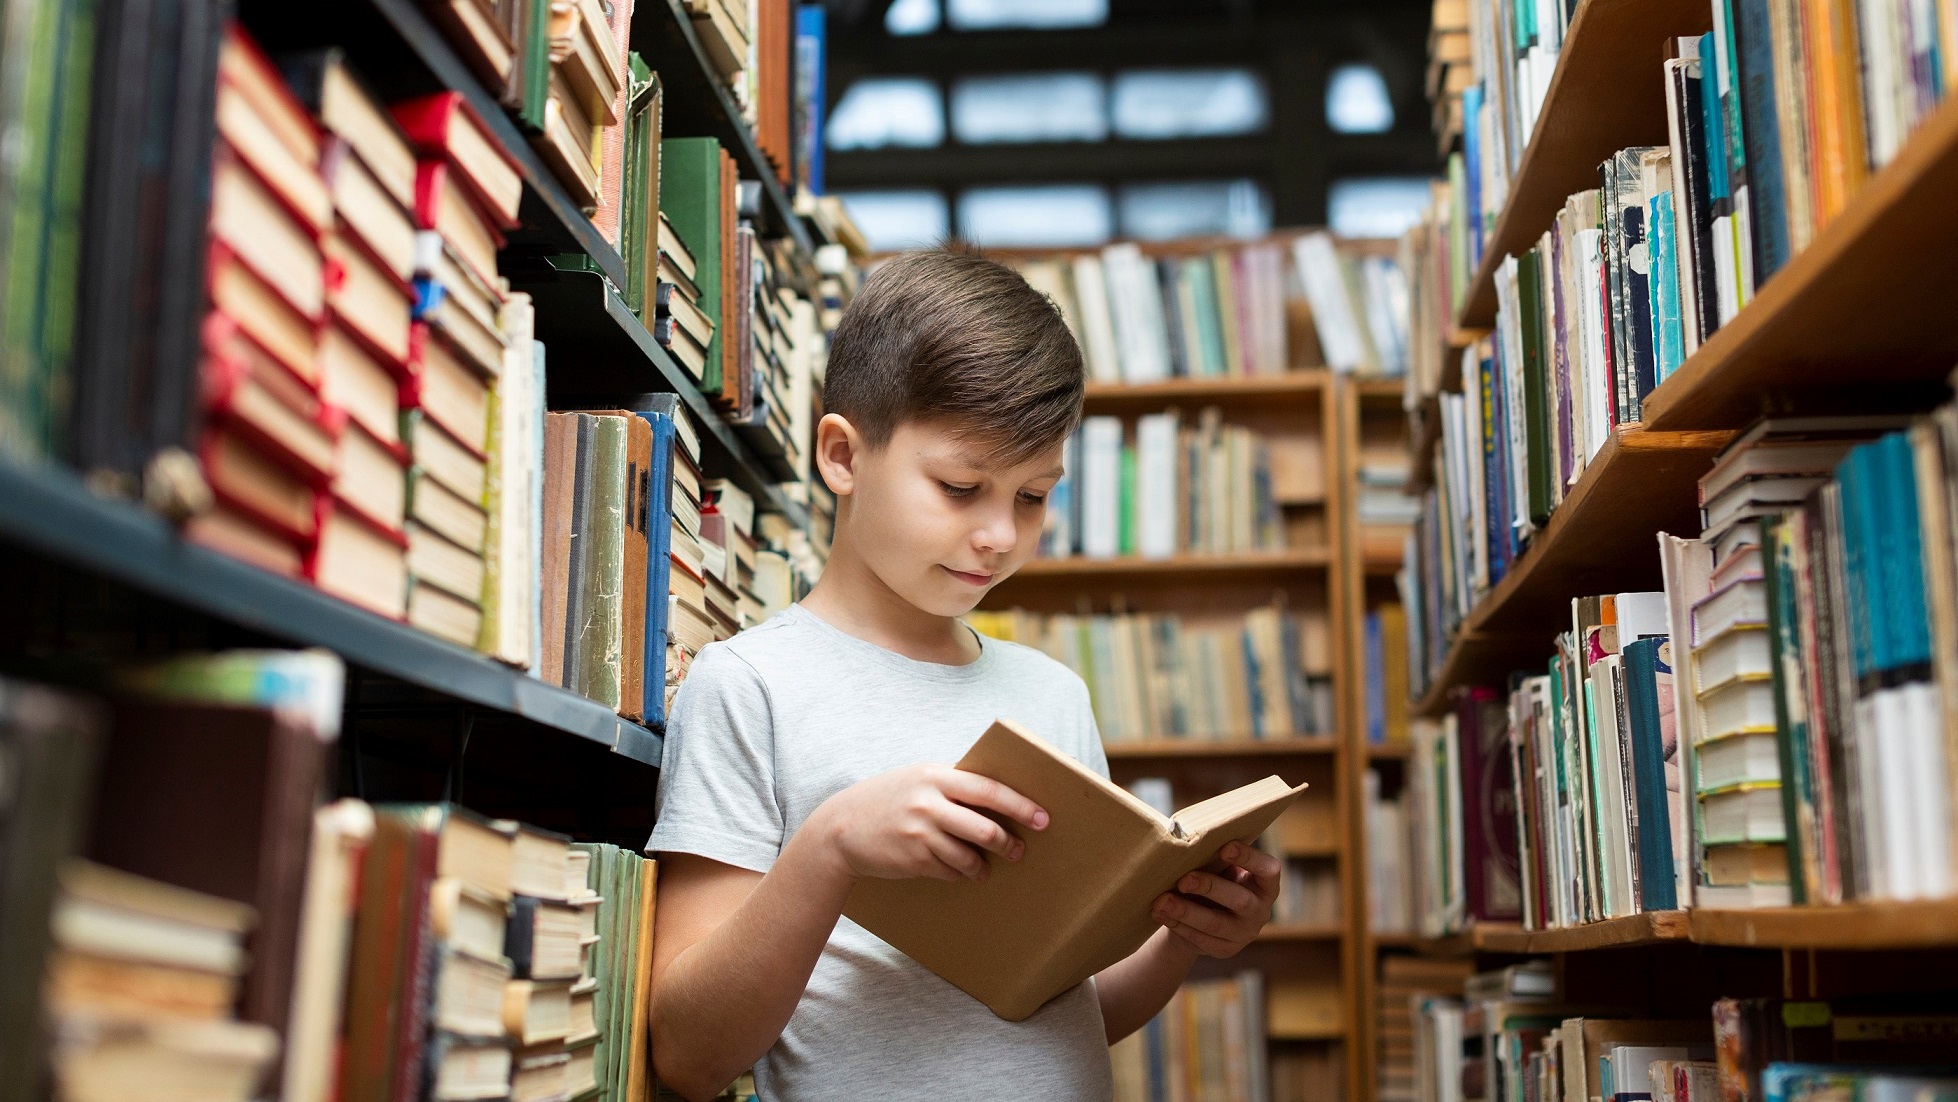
(853, 599)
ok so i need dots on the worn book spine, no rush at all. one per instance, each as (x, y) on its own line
(1767, 198)
(600, 630)
(577, 555)
(637, 534)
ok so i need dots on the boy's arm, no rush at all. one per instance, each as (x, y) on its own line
(733, 949)
(1208, 915)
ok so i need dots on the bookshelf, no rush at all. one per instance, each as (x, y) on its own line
(1607, 93)
(1850, 323)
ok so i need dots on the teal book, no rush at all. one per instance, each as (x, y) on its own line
(1209, 322)
(1668, 332)
(691, 196)
(1779, 538)
(1125, 542)
(1655, 768)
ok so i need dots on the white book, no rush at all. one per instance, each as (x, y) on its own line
(1740, 653)
(1157, 504)
(1136, 304)
(1726, 278)
(1640, 615)
(1333, 314)
(1596, 379)
(1684, 566)
(1614, 837)
(1097, 326)
(1753, 757)
(1736, 707)
(1101, 486)
(1746, 814)
(1929, 799)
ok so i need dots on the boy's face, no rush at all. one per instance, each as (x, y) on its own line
(937, 522)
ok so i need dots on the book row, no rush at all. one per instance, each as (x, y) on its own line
(1776, 118)
(1265, 675)
(1769, 729)
(185, 917)
(1512, 1035)
(1209, 1042)
(1258, 309)
(1165, 485)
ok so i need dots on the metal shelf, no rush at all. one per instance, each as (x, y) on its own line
(48, 510)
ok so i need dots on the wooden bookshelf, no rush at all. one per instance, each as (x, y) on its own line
(1276, 747)
(1599, 539)
(1916, 924)
(1644, 928)
(1607, 93)
(1293, 386)
(1331, 931)
(1871, 293)
(1238, 566)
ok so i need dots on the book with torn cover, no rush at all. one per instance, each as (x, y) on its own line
(1078, 900)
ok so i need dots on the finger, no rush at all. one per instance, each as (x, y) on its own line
(974, 790)
(1188, 912)
(1262, 866)
(964, 823)
(1228, 894)
(1209, 945)
(968, 862)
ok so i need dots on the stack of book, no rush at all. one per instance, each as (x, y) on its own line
(1207, 1043)
(751, 46)
(1460, 803)
(580, 136)
(1142, 319)
(688, 626)
(723, 29)
(466, 193)
(680, 325)
(268, 448)
(1437, 279)
(1404, 983)
(728, 520)
(1155, 677)
(1174, 486)
(783, 335)
(549, 939)
(141, 987)
(1820, 697)
(699, 202)
(1450, 72)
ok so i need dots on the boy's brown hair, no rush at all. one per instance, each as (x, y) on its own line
(946, 334)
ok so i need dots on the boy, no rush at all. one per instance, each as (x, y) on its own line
(809, 752)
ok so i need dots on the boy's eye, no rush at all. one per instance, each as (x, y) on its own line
(1031, 498)
(954, 490)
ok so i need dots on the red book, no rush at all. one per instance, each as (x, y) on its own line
(443, 205)
(444, 125)
(271, 493)
(1489, 842)
(359, 560)
(264, 401)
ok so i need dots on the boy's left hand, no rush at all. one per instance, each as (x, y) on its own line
(1218, 915)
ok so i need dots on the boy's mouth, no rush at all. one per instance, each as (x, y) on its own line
(969, 577)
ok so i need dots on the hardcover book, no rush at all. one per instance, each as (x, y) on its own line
(1078, 899)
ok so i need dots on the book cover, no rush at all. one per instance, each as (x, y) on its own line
(1766, 206)
(690, 200)
(1655, 757)
(1039, 926)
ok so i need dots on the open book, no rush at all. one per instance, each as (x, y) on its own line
(1078, 900)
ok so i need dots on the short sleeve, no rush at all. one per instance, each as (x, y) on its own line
(717, 796)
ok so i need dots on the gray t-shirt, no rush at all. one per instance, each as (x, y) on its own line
(776, 720)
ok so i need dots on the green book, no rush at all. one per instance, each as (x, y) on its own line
(1536, 406)
(1201, 283)
(690, 194)
(1126, 526)
(603, 879)
(639, 207)
(601, 633)
(535, 57)
(1783, 557)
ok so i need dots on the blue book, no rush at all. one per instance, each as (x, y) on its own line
(1668, 333)
(1767, 196)
(1655, 767)
(1720, 197)
(1472, 164)
(1376, 682)
(811, 76)
(1860, 540)
(1900, 557)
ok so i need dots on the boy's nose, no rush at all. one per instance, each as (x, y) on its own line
(997, 532)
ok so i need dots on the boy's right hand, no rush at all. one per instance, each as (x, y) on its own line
(920, 821)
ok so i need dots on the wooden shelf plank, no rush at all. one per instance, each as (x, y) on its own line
(1302, 932)
(1222, 748)
(1233, 567)
(1868, 301)
(1644, 928)
(1381, 390)
(1600, 539)
(1918, 924)
(1608, 92)
(1290, 387)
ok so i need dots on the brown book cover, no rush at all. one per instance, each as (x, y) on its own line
(1078, 899)
(560, 469)
(774, 41)
(635, 496)
(730, 395)
(218, 799)
(638, 1082)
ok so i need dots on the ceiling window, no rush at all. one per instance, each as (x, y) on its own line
(988, 15)
(1357, 101)
(1376, 206)
(1036, 217)
(1160, 211)
(908, 17)
(1189, 103)
(888, 111)
(892, 220)
(1030, 107)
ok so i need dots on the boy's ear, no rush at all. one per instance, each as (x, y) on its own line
(838, 446)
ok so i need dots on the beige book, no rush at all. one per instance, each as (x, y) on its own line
(1079, 898)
